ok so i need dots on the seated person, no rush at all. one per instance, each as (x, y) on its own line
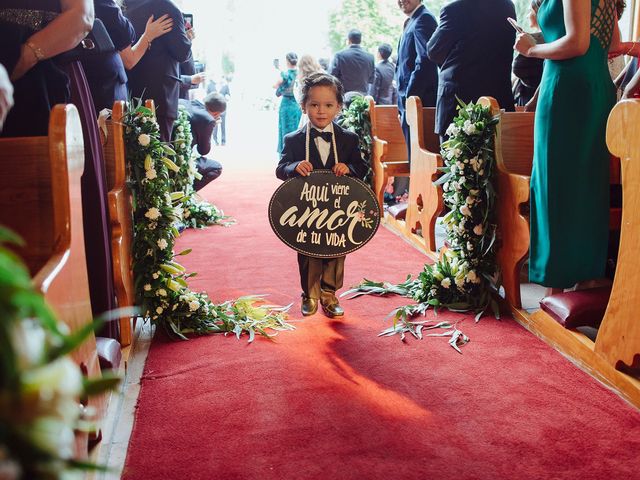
(203, 118)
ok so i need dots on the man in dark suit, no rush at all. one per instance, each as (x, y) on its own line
(473, 46)
(354, 66)
(416, 75)
(203, 118)
(157, 75)
(382, 89)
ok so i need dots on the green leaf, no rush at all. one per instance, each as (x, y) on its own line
(107, 383)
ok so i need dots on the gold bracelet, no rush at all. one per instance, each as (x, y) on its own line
(633, 44)
(37, 51)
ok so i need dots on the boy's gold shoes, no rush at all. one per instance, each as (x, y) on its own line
(332, 309)
(309, 306)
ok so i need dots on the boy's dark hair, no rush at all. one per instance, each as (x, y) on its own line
(355, 36)
(214, 102)
(292, 58)
(321, 80)
(385, 51)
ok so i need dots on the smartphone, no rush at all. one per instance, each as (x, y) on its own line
(515, 25)
(188, 20)
(276, 62)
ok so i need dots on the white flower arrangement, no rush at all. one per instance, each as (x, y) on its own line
(465, 277)
(162, 185)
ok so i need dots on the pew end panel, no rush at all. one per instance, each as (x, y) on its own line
(425, 198)
(121, 218)
(389, 151)
(618, 339)
(514, 160)
(40, 199)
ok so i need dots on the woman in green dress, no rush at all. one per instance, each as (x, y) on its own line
(289, 113)
(570, 178)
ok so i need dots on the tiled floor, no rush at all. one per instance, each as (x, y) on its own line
(120, 415)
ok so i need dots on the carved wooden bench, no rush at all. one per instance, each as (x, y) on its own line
(389, 150)
(40, 199)
(425, 199)
(121, 218)
(514, 159)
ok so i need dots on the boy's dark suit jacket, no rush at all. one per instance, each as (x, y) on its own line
(473, 45)
(202, 124)
(294, 152)
(157, 74)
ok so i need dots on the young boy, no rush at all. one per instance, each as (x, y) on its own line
(330, 147)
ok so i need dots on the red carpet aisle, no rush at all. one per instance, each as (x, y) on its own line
(331, 400)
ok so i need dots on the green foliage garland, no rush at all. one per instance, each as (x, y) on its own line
(40, 385)
(196, 213)
(161, 283)
(356, 119)
(465, 277)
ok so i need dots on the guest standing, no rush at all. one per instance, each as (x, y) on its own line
(570, 179)
(354, 66)
(416, 75)
(289, 113)
(105, 72)
(157, 75)
(382, 89)
(473, 46)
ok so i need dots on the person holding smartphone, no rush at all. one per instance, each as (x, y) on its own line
(570, 179)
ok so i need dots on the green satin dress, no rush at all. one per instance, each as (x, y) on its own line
(289, 113)
(570, 177)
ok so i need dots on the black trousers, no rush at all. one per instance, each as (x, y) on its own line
(209, 169)
(320, 278)
(165, 125)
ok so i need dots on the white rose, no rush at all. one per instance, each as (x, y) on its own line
(155, 276)
(452, 130)
(180, 128)
(465, 211)
(469, 246)
(470, 200)
(457, 152)
(147, 287)
(469, 128)
(187, 214)
(159, 310)
(145, 119)
(151, 174)
(162, 244)
(478, 229)
(144, 139)
(445, 187)
(446, 282)
(153, 213)
(161, 292)
(194, 305)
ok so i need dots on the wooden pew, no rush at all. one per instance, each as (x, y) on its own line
(618, 340)
(389, 150)
(514, 159)
(40, 199)
(121, 217)
(425, 199)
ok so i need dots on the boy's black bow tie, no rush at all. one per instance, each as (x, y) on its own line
(326, 136)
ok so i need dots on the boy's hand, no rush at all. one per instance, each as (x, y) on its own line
(304, 168)
(340, 169)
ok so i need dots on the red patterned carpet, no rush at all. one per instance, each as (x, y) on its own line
(331, 400)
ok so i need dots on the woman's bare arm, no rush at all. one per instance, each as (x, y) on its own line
(132, 54)
(63, 33)
(575, 42)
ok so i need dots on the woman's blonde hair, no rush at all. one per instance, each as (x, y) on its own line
(307, 65)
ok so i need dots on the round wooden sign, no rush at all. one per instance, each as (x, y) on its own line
(324, 215)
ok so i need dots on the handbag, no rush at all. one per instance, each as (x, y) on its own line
(97, 42)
